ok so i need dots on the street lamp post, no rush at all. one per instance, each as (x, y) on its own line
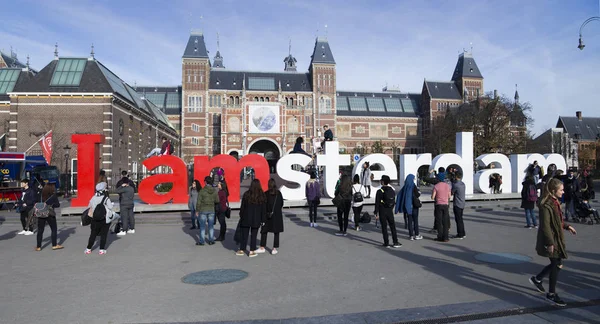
(581, 46)
(67, 155)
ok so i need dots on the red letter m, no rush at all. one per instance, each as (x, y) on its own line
(232, 168)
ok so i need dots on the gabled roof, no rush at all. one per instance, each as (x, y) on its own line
(588, 128)
(322, 52)
(92, 80)
(95, 78)
(466, 67)
(383, 104)
(443, 90)
(233, 80)
(196, 48)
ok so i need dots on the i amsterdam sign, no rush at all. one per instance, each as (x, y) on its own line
(512, 169)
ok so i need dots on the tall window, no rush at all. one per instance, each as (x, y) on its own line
(325, 105)
(195, 128)
(195, 141)
(194, 104)
(237, 101)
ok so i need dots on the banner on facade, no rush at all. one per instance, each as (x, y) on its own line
(264, 119)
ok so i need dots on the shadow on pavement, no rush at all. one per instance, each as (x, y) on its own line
(9, 235)
(61, 236)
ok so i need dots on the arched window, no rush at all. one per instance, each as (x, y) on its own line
(291, 101)
(267, 99)
(255, 98)
(231, 100)
(262, 99)
(237, 100)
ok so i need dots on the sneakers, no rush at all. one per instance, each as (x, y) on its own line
(58, 247)
(21, 232)
(102, 252)
(459, 237)
(418, 237)
(28, 233)
(199, 244)
(88, 251)
(411, 238)
(528, 226)
(396, 245)
(240, 253)
(315, 225)
(274, 251)
(339, 234)
(122, 233)
(537, 283)
(357, 228)
(131, 231)
(345, 234)
(252, 254)
(38, 249)
(535, 226)
(556, 300)
(260, 250)
(311, 224)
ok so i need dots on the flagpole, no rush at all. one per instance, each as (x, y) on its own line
(37, 141)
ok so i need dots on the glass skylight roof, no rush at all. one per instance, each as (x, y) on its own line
(341, 103)
(409, 105)
(172, 100)
(375, 104)
(157, 98)
(68, 72)
(8, 79)
(357, 103)
(393, 104)
(255, 83)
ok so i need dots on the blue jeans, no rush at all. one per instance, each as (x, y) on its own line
(530, 217)
(193, 214)
(202, 218)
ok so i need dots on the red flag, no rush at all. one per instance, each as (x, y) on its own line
(46, 144)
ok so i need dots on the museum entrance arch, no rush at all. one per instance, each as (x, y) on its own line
(267, 148)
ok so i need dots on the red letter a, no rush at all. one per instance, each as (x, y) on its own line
(178, 178)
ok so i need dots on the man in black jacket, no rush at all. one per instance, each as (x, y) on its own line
(572, 189)
(125, 179)
(25, 205)
(384, 210)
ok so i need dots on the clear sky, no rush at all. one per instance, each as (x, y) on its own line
(530, 43)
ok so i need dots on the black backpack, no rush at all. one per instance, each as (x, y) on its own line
(389, 197)
(365, 218)
(357, 196)
(100, 211)
(171, 148)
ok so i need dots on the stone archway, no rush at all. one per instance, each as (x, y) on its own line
(269, 149)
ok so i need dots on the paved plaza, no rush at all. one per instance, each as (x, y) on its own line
(316, 278)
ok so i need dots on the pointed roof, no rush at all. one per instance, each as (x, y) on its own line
(196, 48)
(322, 52)
(586, 128)
(218, 61)
(442, 90)
(466, 67)
(516, 95)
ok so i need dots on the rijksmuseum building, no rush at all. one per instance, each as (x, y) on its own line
(217, 110)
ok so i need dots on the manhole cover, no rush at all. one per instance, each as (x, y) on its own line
(502, 258)
(213, 277)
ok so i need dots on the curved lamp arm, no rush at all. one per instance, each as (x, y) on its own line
(581, 45)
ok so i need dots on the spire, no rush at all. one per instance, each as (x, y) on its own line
(92, 52)
(290, 61)
(516, 94)
(218, 60)
(466, 67)
(322, 52)
(195, 48)
(27, 62)
(56, 51)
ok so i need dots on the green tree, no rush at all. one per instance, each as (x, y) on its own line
(378, 147)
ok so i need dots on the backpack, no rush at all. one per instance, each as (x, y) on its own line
(532, 193)
(170, 148)
(100, 211)
(389, 197)
(42, 210)
(357, 196)
(365, 218)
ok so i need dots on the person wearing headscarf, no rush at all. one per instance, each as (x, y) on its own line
(404, 204)
(99, 227)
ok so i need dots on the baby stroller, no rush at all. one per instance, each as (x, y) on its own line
(585, 212)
